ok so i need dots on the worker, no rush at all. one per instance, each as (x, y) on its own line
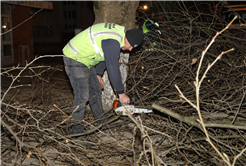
(87, 55)
(150, 27)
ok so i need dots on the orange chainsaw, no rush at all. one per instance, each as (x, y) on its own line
(128, 108)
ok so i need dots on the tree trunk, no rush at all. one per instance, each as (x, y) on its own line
(122, 13)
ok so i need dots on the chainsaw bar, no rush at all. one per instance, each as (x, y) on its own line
(142, 110)
(129, 109)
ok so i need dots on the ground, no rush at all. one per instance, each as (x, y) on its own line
(44, 95)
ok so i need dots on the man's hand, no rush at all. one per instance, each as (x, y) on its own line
(124, 99)
(100, 81)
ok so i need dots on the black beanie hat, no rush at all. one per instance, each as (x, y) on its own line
(134, 37)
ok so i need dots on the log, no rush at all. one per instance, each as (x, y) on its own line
(192, 120)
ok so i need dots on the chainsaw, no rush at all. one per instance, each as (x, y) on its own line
(128, 108)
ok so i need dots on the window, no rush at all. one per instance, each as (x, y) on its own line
(43, 31)
(68, 3)
(69, 26)
(5, 27)
(73, 13)
(69, 14)
(65, 14)
(5, 9)
(7, 50)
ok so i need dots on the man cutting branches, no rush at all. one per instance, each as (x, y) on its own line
(87, 55)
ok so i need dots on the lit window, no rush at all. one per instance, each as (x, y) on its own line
(6, 27)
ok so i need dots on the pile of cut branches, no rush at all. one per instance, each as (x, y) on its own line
(194, 80)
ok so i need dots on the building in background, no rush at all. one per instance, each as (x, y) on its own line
(52, 29)
(16, 44)
(52, 25)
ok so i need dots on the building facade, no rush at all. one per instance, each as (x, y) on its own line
(52, 29)
(16, 34)
(6, 35)
(33, 28)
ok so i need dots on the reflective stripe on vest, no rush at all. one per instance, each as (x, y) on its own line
(73, 48)
(94, 43)
(91, 35)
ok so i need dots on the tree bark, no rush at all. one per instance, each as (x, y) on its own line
(122, 13)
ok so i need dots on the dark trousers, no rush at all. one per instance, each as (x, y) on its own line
(85, 86)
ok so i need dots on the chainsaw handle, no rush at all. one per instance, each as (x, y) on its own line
(117, 103)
